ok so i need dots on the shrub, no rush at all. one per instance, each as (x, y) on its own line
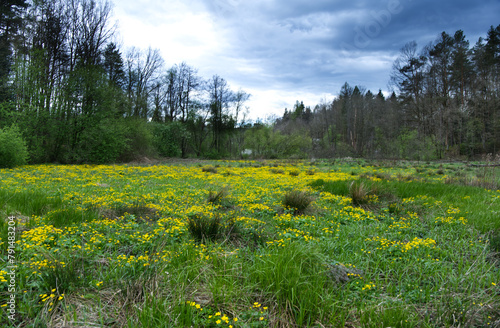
(102, 143)
(139, 136)
(168, 138)
(297, 200)
(13, 150)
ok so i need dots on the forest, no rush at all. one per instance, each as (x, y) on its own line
(69, 94)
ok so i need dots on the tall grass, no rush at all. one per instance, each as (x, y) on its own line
(294, 279)
(28, 202)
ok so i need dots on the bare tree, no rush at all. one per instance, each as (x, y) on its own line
(90, 30)
(142, 72)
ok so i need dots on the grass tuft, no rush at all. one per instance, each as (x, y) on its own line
(297, 200)
(217, 197)
(202, 227)
(359, 193)
(209, 169)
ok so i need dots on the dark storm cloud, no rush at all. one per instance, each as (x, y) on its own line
(321, 44)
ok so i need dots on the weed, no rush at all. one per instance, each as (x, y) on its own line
(295, 277)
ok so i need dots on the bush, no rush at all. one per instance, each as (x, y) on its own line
(13, 150)
(139, 136)
(102, 143)
(168, 138)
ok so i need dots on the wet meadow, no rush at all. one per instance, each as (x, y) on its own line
(337, 243)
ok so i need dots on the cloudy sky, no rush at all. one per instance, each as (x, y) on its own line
(281, 51)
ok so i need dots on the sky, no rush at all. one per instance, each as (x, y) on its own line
(281, 51)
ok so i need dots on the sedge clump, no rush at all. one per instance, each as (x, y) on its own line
(297, 200)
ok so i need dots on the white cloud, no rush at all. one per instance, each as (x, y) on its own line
(181, 34)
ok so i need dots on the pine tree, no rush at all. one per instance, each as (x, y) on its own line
(11, 12)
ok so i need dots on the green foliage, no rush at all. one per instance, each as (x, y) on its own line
(140, 139)
(209, 169)
(204, 228)
(28, 202)
(295, 277)
(168, 138)
(359, 192)
(393, 315)
(415, 147)
(337, 187)
(68, 272)
(265, 141)
(7, 113)
(103, 143)
(217, 197)
(68, 216)
(13, 150)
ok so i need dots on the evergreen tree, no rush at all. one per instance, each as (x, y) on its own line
(113, 65)
(11, 13)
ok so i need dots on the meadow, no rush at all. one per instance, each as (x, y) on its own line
(342, 243)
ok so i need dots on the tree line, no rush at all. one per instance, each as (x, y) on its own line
(74, 96)
(445, 104)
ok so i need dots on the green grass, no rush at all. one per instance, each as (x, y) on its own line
(361, 244)
(469, 199)
(29, 203)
